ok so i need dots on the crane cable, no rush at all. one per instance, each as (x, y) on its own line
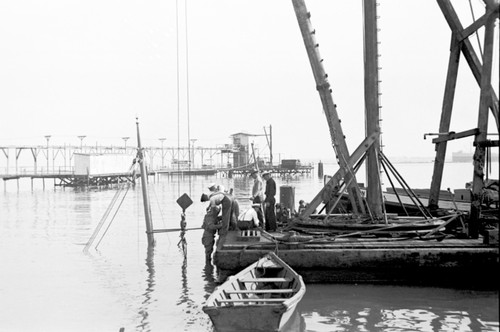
(187, 90)
(477, 35)
(178, 92)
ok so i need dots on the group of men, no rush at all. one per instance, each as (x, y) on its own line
(260, 214)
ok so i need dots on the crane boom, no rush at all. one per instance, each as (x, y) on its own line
(329, 107)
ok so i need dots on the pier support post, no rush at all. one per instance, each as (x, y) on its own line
(287, 197)
(320, 170)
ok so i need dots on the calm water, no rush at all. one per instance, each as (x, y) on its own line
(47, 282)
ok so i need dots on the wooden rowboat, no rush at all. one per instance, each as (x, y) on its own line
(262, 297)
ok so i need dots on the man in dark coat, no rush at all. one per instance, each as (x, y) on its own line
(211, 224)
(270, 202)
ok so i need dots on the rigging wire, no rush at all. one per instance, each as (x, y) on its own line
(394, 188)
(187, 89)
(103, 219)
(411, 194)
(113, 218)
(477, 35)
(178, 91)
(161, 212)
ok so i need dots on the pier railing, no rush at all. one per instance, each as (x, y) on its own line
(34, 171)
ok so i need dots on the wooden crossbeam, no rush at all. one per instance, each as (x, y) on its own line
(453, 135)
(167, 230)
(261, 291)
(266, 280)
(465, 33)
(251, 300)
(468, 50)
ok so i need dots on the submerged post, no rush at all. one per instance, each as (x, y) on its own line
(145, 196)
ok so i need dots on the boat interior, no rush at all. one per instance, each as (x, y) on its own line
(267, 283)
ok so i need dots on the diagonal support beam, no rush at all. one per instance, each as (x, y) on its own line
(468, 50)
(329, 107)
(353, 159)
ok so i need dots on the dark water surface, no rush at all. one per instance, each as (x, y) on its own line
(48, 283)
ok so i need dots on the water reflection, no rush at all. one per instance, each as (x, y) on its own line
(148, 298)
(366, 308)
(210, 279)
(296, 323)
(184, 297)
(112, 288)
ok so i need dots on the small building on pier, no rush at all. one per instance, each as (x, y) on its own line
(91, 164)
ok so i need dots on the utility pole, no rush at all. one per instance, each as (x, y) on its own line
(125, 139)
(192, 140)
(270, 143)
(162, 154)
(47, 137)
(81, 137)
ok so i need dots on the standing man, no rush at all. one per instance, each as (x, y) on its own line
(235, 210)
(258, 187)
(270, 202)
(258, 194)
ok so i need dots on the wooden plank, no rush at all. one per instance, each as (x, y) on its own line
(261, 291)
(453, 135)
(251, 300)
(266, 280)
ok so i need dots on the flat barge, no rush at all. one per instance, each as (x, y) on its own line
(448, 261)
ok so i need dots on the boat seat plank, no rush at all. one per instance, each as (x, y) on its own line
(251, 300)
(260, 291)
(266, 280)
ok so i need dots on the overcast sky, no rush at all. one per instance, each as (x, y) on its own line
(72, 68)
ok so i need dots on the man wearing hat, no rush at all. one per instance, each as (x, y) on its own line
(270, 202)
(212, 188)
(226, 202)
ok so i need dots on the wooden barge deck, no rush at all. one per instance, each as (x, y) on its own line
(452, 262)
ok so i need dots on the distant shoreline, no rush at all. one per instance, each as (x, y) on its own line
(395, 160)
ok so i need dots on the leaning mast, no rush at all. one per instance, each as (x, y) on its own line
(145, 196)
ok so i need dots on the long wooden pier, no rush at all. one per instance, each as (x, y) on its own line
(63, 178)
(56, 162)
(72, 180)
